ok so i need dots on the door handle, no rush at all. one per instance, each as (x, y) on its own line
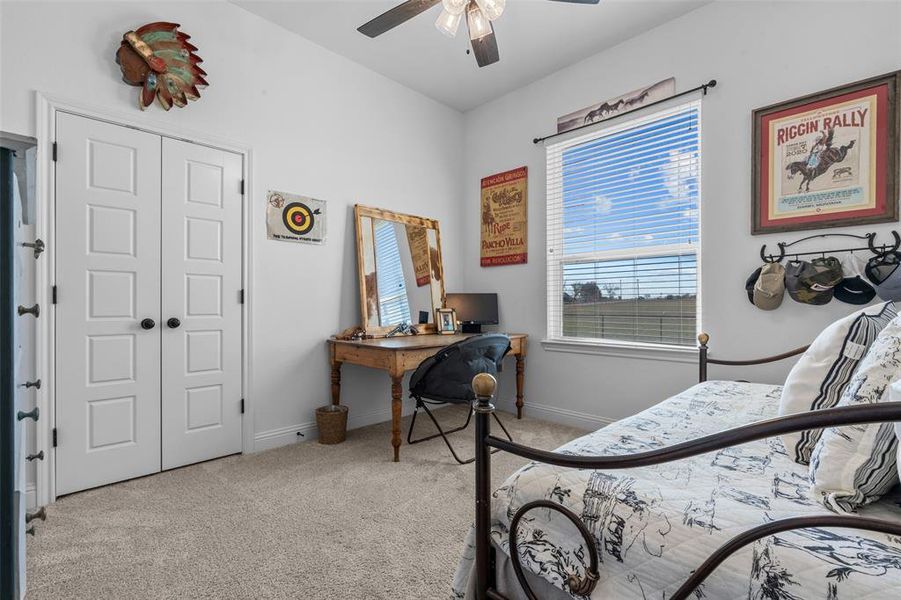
(148, 324)
(173, 323)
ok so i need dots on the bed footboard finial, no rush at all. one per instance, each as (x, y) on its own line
(484, 385)
(703, 338)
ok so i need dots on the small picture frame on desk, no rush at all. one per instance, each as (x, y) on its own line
(446, 320)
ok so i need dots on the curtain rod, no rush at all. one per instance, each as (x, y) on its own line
(703, 88)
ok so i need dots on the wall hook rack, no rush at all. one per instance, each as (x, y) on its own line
(870, 238)
(33, 414)
(29, 310)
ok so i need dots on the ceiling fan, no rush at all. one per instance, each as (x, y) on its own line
(479, 15)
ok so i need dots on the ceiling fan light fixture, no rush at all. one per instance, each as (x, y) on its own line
(478, 23)
(492, 9)
(455, 7)
(448, 23)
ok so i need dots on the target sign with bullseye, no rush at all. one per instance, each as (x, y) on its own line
(299, 218)
(295, 218)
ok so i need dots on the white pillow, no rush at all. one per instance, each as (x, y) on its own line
(856, 464)
(819, 377)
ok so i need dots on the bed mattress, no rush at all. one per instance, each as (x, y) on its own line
(655, 525)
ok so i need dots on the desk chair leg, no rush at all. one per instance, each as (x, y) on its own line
(410, 439)
(441, 433)
(507, 433)
(444, 437)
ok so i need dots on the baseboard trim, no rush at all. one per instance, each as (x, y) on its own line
(282, 436)
(556, 414)
(31, 496)
(273, 438)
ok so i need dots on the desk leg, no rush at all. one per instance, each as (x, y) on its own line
(336, 382)
(520, 382)
(396, 405)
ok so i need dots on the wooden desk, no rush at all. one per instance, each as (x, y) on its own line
(400, 354)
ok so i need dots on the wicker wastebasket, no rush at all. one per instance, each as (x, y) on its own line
(332, 423)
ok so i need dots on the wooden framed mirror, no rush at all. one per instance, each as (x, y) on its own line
(400, 270)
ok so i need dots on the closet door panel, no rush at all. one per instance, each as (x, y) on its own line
(202, 265)
(108, 279)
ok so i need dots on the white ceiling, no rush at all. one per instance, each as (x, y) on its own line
(535, 37)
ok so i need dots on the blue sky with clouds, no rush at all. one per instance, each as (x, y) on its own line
(636, 189)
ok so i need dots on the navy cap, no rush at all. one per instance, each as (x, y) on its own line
(749, 284)
(854, 290)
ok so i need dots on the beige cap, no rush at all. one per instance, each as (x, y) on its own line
(770, 287)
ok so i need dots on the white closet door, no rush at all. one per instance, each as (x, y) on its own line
(201, 328)
(108, 279)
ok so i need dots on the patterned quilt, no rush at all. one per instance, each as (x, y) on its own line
(654, 525)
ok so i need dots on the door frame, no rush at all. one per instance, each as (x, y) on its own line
(46, 108)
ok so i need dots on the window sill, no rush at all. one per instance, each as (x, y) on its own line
(680, 354)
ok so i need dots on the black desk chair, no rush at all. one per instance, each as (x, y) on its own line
(446, 378)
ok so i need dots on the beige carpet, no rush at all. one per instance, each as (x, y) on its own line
(302, 521)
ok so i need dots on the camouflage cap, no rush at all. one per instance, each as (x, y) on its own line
(813, 282)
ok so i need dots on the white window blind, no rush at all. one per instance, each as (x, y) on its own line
(623, 207)
(393, 305)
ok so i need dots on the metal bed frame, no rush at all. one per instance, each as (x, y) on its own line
(484, 386)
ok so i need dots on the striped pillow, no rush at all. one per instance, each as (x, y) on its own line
(820, 376)
(895, 396)
(856, 464)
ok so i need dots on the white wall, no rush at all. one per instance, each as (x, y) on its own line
(317, 124)
(760, 53)
(321, 125)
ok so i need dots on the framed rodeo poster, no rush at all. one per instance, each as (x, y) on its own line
(828, 159)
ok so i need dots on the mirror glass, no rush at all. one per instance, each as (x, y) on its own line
(401, 268)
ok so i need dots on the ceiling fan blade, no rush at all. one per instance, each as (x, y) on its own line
(578, 1)
(485, 49)
(394, 17)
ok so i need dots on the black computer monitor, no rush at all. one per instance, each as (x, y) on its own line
(473, 310)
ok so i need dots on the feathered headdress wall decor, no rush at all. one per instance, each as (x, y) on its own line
(160, 58)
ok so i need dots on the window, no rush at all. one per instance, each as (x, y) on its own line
(623, 237)
(393, 305)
